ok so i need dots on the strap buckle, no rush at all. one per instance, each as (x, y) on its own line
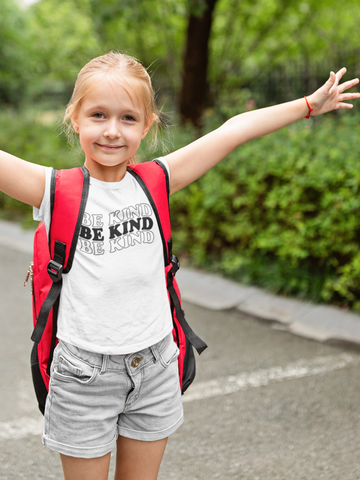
(175, 264)
(55, 270)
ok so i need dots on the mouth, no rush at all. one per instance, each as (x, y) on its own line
(110, 147)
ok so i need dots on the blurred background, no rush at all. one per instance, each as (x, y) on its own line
(282, 212)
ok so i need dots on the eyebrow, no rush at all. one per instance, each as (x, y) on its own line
(99, 107)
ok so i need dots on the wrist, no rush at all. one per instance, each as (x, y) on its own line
(308, 106)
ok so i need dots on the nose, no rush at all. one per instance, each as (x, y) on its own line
(112, 130)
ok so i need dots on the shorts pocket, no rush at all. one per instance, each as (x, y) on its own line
(71, 368)
(169, 354)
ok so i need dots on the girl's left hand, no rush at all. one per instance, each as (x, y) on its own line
(330, 96)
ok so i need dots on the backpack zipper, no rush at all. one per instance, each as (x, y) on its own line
(29, 275)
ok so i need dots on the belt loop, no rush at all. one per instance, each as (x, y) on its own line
(104, 364)
(155, 352)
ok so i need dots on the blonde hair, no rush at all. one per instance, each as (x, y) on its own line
(128, 72)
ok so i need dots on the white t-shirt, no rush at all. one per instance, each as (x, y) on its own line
(114, 299)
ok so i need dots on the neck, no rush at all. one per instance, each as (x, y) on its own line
(104, 173)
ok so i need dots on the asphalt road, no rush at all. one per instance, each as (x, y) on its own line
(265, 404)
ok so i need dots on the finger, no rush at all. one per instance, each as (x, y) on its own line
(348, 84)
(344, 105)
(338, 76)
(348, 96)
(332, 81)
(340, 73)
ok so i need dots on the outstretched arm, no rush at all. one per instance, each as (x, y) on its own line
(191, 162)
(22, 180)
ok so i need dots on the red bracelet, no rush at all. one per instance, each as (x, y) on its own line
(310, 109)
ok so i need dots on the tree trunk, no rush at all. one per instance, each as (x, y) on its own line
(195, 86)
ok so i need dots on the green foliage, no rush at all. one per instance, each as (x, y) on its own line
(282, 212)
(14, 58)
(150, 30)
(63, 40)
(42, 48)
(65, 35)
(253, 39)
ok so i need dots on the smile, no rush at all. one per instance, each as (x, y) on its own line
(110, 147)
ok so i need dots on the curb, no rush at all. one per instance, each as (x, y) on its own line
(323, 323)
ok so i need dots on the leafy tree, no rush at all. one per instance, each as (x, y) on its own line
(276, 48)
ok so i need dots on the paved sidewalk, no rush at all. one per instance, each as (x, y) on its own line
(319, 322)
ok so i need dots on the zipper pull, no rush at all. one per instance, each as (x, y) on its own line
(29, 273)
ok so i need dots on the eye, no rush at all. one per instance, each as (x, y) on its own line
(98, 115)
(129, 118)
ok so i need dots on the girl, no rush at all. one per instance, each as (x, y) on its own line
(112, 110)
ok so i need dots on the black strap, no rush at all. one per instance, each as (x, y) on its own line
(53, 336)
(160, 163)
(195, 341)
(52, 202)
(45, 310)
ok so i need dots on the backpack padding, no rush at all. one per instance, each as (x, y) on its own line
(41, 287)
(155, 188)
(69, 193)
(70, 196)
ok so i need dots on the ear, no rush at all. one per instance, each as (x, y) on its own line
(75, 126)
(73, 119)
(147, 128)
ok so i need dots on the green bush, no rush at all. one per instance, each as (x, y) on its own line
(282, 212)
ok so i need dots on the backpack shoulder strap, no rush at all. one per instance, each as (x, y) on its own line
(69, 193)
(68, 196)
(154, 179)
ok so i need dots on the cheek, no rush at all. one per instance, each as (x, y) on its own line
(133, 137)
(89, 134)
(136, 143)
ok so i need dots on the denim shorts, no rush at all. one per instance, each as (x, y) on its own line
(93, 398)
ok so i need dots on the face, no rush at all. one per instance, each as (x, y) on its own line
(111, 127)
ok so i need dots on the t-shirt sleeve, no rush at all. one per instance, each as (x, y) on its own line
(43, 213)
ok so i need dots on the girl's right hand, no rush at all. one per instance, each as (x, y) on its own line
(330, 96)
(22, 180)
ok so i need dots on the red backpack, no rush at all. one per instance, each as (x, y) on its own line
(53, 257)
